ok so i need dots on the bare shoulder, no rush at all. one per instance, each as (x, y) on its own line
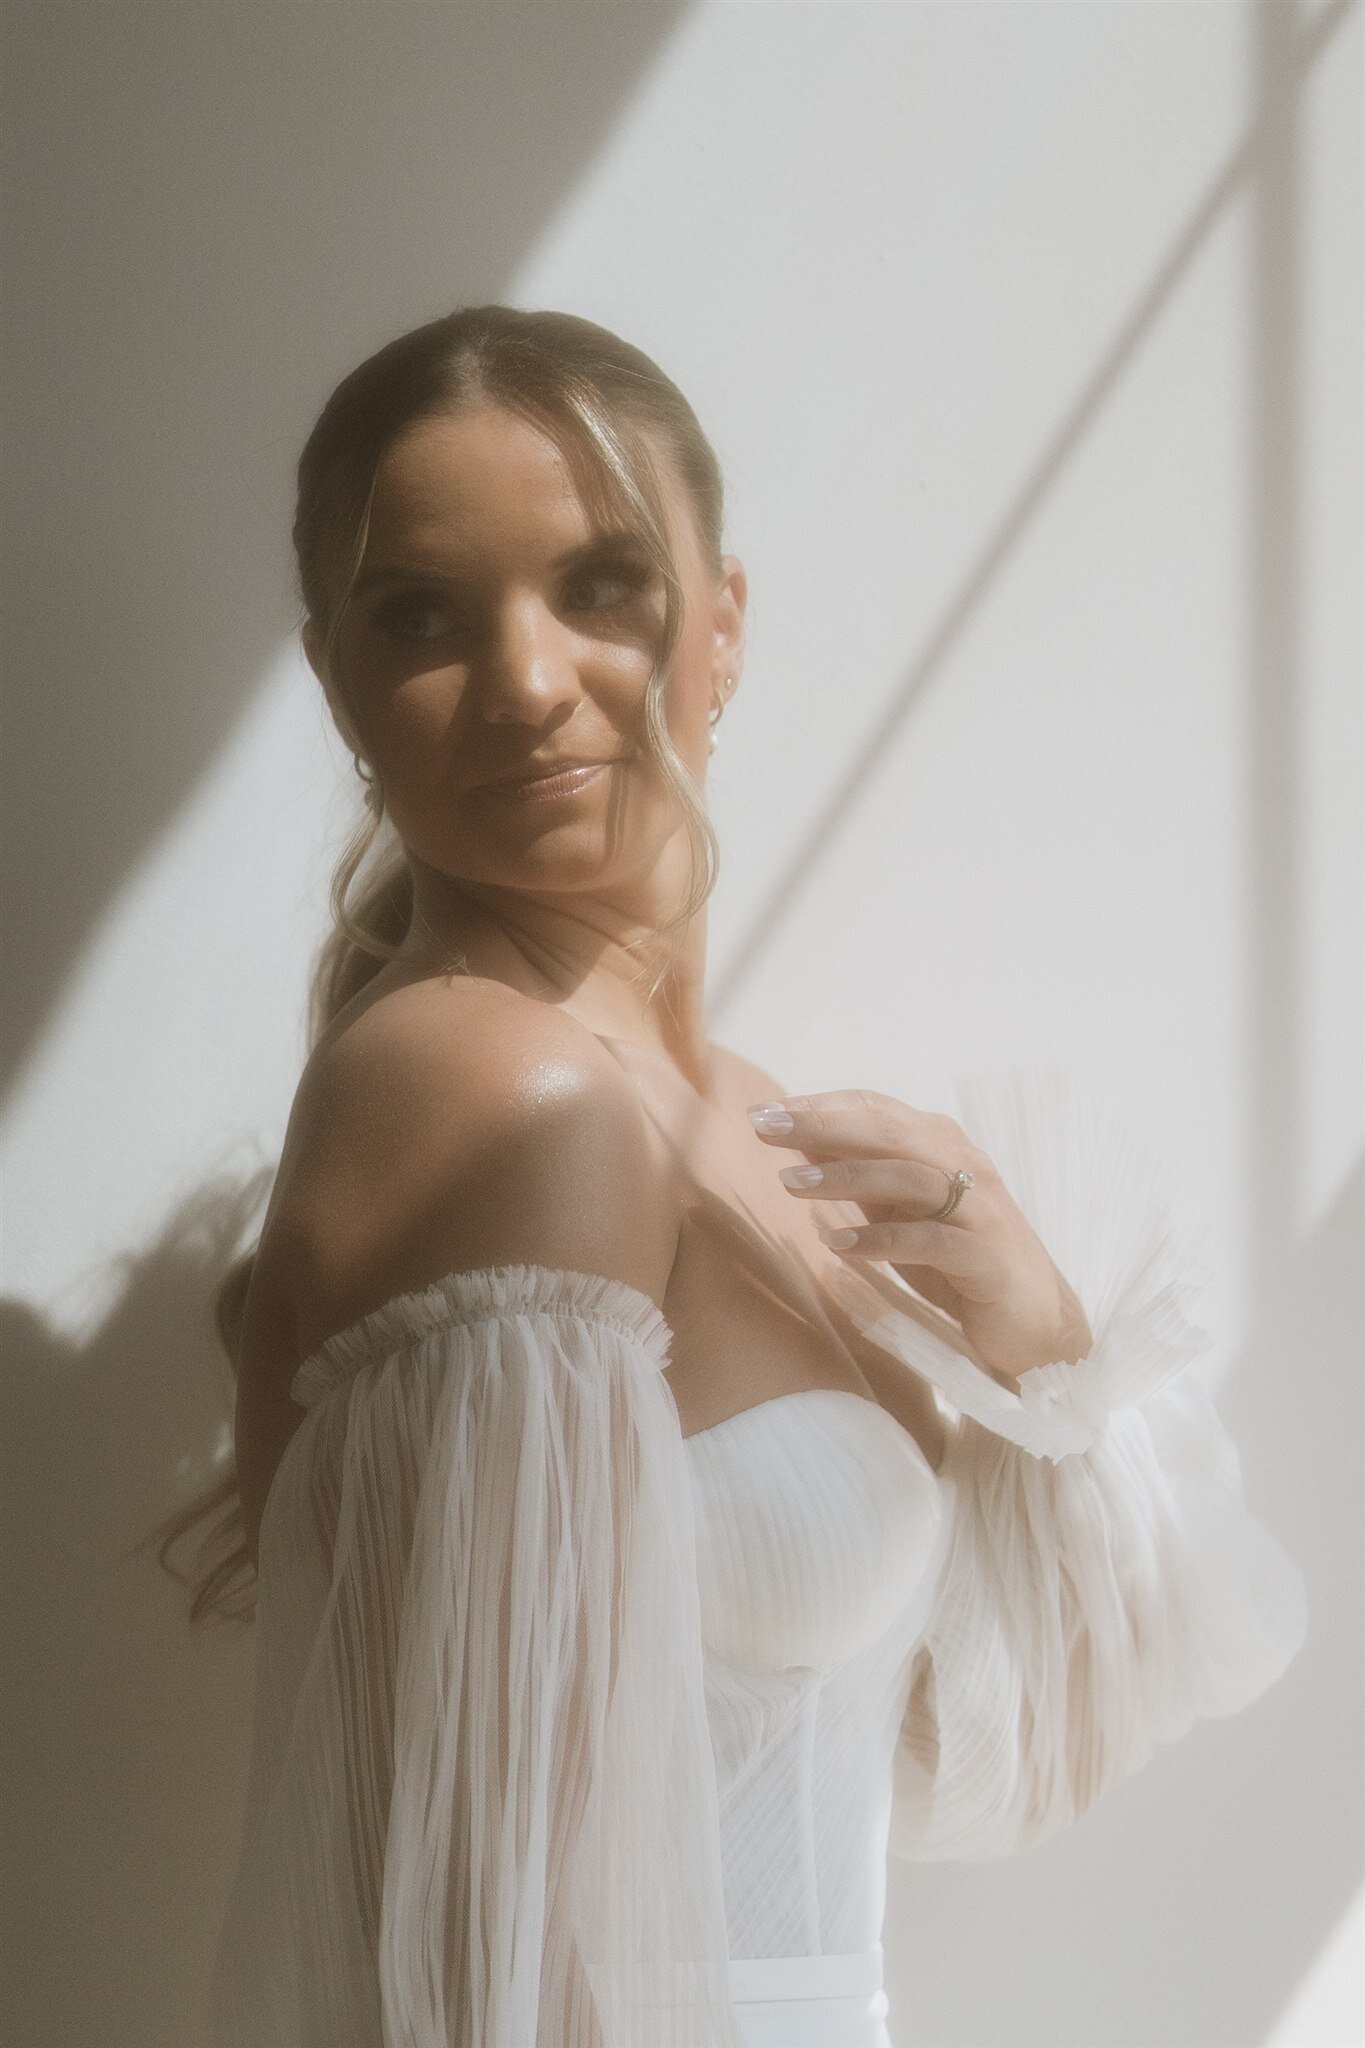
(450, 1126)
(460, 1124)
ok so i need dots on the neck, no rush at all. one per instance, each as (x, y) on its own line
(596, 956)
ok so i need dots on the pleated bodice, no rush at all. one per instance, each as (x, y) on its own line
(818, 1530)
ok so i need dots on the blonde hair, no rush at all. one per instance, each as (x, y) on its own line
(601, 400)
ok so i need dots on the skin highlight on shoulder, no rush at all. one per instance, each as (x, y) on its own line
(459, 1128)
(437, 1137)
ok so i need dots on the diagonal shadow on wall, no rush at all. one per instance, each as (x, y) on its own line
(1305, 1311)
(293, 174)
(213, 211)
(999, 546)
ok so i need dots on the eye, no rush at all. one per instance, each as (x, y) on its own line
(601, 589)
(414, 619)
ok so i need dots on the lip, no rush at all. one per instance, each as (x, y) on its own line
(538, 788)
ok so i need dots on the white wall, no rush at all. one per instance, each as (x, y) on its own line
(1028, 332)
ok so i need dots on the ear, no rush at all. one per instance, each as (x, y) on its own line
(732, 596)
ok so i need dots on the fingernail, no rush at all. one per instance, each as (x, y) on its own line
(839, 1240)
(801, 1176)
(771, 1118)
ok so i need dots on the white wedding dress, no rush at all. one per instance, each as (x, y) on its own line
(574, 1733)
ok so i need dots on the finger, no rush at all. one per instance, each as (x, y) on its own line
(933, 1286)
(911, 1187)
(964, 1258)
(862, 1122)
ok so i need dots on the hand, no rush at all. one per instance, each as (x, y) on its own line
(984, 1265)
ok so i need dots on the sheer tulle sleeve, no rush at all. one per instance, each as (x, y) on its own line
(481, 1809)
(1104, 1582)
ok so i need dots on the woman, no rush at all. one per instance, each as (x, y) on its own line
(664, 1493)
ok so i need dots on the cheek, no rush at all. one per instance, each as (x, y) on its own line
(396, 694)
(411, 733)
(421, 713)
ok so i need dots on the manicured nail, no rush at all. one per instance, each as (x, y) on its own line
(839, 1240)
(801, 1176)
(771, 1118)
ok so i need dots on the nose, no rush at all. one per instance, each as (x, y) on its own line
(527, 670)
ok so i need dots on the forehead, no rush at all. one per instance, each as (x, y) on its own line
(448, 476)
(488, 481)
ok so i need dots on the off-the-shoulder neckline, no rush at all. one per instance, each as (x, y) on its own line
(475, 1294)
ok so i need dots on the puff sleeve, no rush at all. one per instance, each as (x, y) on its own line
(1103, 1581)
(481, 1805)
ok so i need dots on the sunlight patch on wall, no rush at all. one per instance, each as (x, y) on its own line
(1328, 2008)
(176, 1049)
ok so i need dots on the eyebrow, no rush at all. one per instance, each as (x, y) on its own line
(598, 548)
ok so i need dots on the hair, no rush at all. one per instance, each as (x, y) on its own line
(601, 400)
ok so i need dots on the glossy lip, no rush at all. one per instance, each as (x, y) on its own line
(563, 782)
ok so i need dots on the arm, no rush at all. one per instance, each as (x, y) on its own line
(482, 1805)
(1103, 1582)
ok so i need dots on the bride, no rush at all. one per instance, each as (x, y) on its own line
(660, 1494)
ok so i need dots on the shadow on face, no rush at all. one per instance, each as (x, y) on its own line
(497, 625)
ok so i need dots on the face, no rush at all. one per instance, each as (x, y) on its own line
(496, 626)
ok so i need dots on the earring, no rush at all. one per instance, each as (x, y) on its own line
(374, 795)
(718, 702)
